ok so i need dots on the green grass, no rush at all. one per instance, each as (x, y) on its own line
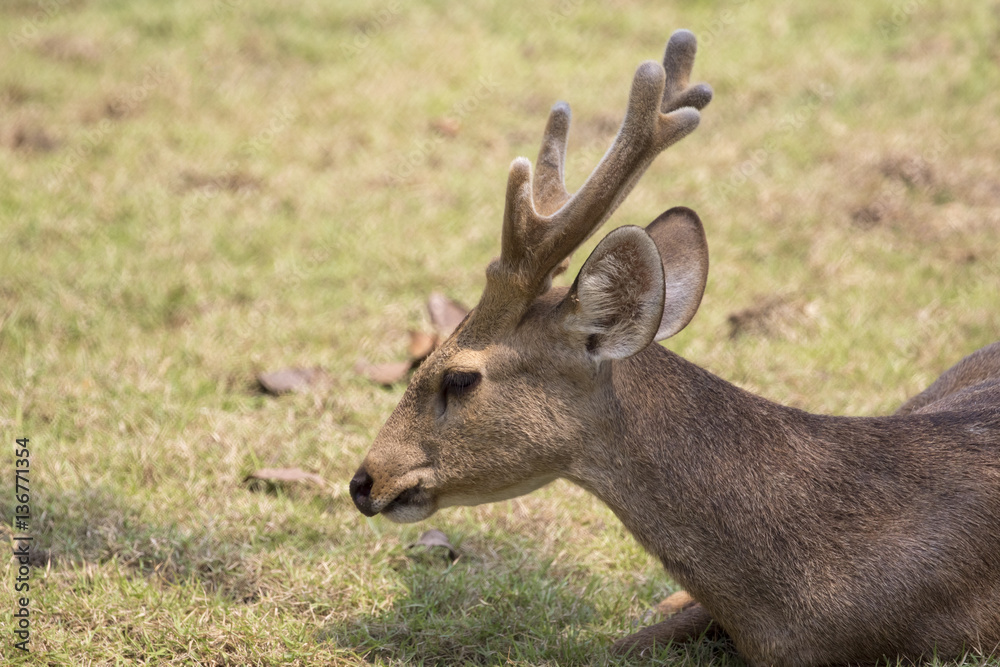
(194, 192)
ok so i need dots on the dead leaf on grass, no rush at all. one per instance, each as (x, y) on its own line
(433, 542)
(421, 345)
(231, 181)
(70, 48)
(446, 127)
(31, 139)
(913, 170)
(276, 476)
(445, 313)
(38, 557)
(288, 380)
(782, 315)
(384, 374)
(755, 319)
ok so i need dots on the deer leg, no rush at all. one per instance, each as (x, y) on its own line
(690, 623)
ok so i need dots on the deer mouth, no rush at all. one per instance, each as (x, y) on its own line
(412, 504)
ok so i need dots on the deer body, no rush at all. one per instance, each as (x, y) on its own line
(810, 540)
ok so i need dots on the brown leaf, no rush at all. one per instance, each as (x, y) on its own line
(289, 379)
(386, 374)
(446, 314)
(36, 557)
(283, 476)
(434, 540)
(421, 345)
(31, 138)
(232, 181)
(447, 127)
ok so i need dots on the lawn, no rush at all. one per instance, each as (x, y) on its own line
(192, 193)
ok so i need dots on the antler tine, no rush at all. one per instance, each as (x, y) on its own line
(678, 60)
(549, 184)
(538, 236)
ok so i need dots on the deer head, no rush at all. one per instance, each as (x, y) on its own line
(501, 408)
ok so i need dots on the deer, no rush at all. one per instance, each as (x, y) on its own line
(806, 539)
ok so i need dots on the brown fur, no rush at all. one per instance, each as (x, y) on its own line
(808, 539)
(960, 384)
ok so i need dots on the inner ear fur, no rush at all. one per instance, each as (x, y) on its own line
(617, 299)
(683, 249)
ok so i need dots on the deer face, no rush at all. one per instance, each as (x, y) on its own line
(498, 412)
(478, 422)
(501, 407)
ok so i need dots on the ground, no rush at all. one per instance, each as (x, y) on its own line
(194, 192)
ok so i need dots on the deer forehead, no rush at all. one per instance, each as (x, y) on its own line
(509, 322)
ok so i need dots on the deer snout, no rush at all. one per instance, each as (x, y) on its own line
(361, 492)
(402, 498)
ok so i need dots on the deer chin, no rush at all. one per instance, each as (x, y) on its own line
(472, 497)
(412, 505)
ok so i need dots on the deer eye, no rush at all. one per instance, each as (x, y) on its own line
(458, 383)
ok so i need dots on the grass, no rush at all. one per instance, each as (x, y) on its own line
(192, 192)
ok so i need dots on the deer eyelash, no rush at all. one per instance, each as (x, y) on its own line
(457, 383)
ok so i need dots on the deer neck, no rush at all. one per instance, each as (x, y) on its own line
(680, 459)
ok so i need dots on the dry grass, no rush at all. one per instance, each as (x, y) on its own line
(193, 192)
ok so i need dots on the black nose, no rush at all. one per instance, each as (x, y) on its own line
(361, 491)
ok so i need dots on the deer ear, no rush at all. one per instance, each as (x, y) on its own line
(617, 300)
(680, 240)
